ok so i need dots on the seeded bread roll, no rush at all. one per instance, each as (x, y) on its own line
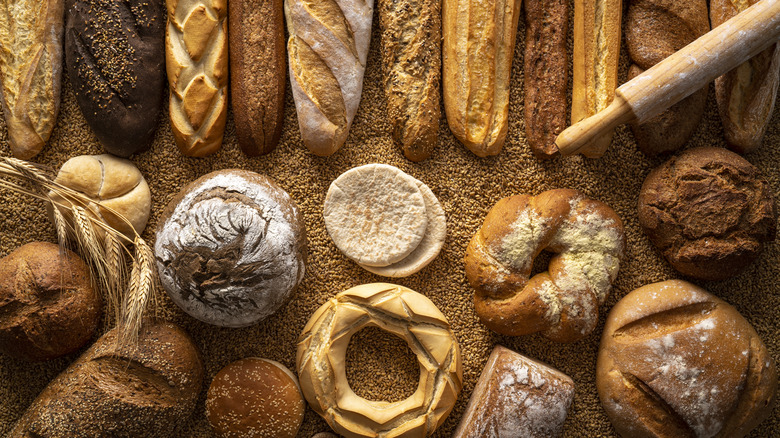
(676, 361)
(258, 70)
(146, 390)
(115, 55)
(30, 71)
(746, 95)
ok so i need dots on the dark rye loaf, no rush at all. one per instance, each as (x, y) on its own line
(115, 55)
(121, 392)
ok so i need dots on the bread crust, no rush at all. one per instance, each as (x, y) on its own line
(258, 71)
(30, 71)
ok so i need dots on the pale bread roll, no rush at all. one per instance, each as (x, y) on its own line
(375, 214)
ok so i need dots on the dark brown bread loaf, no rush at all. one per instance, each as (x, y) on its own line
(546, 74)
(258, 71)
(48, 306)
(115, 55)
(411, 62)
(146, 390)
(655, 29)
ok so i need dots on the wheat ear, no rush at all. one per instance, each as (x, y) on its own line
(140, 292)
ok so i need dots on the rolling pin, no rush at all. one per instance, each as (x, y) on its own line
(681, 74)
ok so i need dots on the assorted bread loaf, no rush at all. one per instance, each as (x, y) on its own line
(30, 71)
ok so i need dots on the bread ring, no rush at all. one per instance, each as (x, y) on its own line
(322, 349)
(562, 303)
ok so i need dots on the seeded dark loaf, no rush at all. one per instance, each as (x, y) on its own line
(115, 56)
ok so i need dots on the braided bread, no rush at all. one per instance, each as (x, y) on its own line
(196, 55)
(562, 303)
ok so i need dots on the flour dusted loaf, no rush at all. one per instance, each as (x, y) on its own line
(676, 361)
(115, 55)
(30, 71)
(145, 390)
(48, 305)
(516, 397)
(586, 237)
(231, 248)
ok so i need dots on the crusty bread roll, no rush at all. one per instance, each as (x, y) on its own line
(546, 72)
(145, 390)
(597, 35)
(327, 51)
(676, 361)
(561, 303)
(115, 55)
(479, 43)
(746, 95)
(30, 71)
(411, 63)
(196, 58)
(258, 70)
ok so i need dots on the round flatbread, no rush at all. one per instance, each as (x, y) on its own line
(375, 214)
(428, 248)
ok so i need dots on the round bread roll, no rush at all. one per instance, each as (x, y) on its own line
(255, 397)
(709, 211)
(48, 306)
(231, 248)
(113, 182)
(676, 361)
(375, 214)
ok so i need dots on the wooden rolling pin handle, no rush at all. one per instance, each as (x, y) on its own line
(681, 74)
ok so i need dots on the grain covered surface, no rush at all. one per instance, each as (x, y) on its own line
(379, 365)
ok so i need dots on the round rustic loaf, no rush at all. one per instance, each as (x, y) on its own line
(562, 303)
(709, 211)
(255, 397)
(231, 248)
(48, 306)
(676, 361)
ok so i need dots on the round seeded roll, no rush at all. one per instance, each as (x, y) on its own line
(231, 248)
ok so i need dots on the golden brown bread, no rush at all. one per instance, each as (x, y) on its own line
(196, 57)
(479, 42)
(258, 71)
(746, 95)
(411, 63)
(562, 303)
(546, 65)
(30, 71)
(676, 361)
(597, 35)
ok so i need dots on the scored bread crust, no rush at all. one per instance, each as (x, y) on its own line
(746, 95)
(30, 71)
(562, 303)
(675, 361)
(478, 47)
(196, 57)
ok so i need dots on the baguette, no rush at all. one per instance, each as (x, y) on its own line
(479, 41)
(546, 73)
(327, 50)
(746, 95)
(30, 71)
(258, 70)
(595, 59)
(115, 56)
(197, 64)
(411, 61)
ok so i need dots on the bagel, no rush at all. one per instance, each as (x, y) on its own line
(562, 303)
(322, 349)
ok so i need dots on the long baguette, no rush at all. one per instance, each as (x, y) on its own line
(30, 71)
(595, 60)
(327, 50)
(197, 63)
(746, 95)
(411, 62)
(479, 41)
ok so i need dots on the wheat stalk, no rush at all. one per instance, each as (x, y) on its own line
(97, 241)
